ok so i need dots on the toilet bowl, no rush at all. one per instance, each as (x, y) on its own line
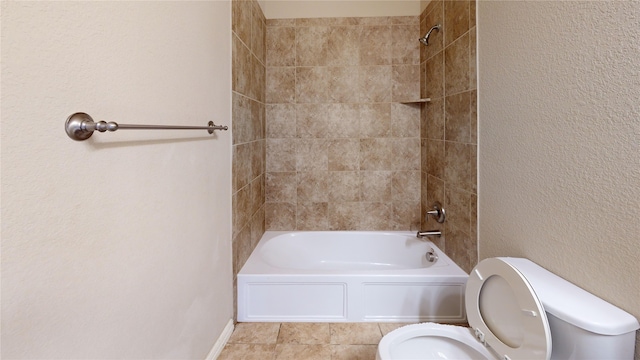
(505, 301)
(431, 341)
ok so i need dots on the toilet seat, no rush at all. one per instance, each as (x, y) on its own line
(505, 313)
(432, 341)
(508, 322)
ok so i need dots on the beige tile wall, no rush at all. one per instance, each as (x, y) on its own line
(339, 149)
(248, 85)
(341, 152)
(449, 125)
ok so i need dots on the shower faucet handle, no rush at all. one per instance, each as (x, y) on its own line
(437, 212)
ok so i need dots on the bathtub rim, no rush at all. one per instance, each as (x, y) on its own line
(256, 266)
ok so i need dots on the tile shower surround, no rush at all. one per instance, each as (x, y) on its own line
(340, 148)
(248, 96)
(315, 104)
(449, 126)
(341, 152)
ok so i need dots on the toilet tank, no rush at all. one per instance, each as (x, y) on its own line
(583, 326)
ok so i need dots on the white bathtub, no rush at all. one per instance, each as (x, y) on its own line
(349, 276)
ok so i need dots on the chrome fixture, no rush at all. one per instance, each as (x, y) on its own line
(436, 233)
(439, 215)
(80, 126)
(437, 212)
(431, 255)
(425, 40)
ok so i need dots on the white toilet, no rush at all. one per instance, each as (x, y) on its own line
(517, 310)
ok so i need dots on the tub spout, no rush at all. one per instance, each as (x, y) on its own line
(422, 234)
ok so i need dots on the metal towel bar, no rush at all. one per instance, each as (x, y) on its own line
(80, 126)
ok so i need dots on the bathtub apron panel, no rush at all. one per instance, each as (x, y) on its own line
(349, 277)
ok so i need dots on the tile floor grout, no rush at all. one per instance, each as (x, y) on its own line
(306, 341)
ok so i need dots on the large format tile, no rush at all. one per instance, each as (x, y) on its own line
(406, 215)
(405, 49)
(433, 119)
(281, 186)
(280, 44)
(353, 352)
(344, 154)
(280, 121)
(386, 328)
(313, 186)
(375, 120)
(311, 45)
(376, 185)
(457, 117)
(355, 333)
(312, 216)
(434, 76)
(456, 17)
(456, 66)
(344, 186)
(280, 216)
(405, 120)
(280, 84)
(304, 333)
(405, 82)
(248, 352)
(434, 16)
(281, 155)
(345, 215)
(375, 83)
(376, 45)
(378, 216)
(303, 352)
(255, 333)
(457, 172)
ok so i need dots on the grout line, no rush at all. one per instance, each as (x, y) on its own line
(278, 336)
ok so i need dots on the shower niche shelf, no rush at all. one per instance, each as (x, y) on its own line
(416, 101)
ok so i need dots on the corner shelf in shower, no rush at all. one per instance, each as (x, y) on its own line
(417, 101)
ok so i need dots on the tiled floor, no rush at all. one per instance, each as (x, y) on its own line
(305, 341)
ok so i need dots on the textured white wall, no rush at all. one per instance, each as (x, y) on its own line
(119, 246)
(559, 119)
(289, 9)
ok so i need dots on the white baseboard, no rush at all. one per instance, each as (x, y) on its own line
(221, 342)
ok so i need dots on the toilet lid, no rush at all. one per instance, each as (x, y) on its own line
(504, 311)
